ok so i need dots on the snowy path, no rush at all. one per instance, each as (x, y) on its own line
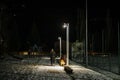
(31, 69)
(82, 73)
(41, 69)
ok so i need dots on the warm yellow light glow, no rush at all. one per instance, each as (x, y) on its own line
(23, 53)
(34, 53)
(62, 62)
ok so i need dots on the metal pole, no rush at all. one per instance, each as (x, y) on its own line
(67, 44)
(102, 41)
(60, 46)
(119, 47)
(92, 42)
(86, 38)
(66, 25)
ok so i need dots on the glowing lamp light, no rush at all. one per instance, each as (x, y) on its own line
(65, 25)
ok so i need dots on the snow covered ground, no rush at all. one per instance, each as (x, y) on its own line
(41, 69)
(31, 69)
(80, 72)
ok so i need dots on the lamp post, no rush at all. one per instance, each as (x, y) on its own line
(60, 46)
(86, 38)
(66, 25)
(119, 46)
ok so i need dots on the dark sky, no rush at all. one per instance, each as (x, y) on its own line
(48, 16)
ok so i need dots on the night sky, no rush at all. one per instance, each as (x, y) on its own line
(45, 19)
(38, 19)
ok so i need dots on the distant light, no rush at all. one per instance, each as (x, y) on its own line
(23, 53)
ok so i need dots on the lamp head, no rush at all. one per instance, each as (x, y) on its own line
(59, 37)
(65, 25)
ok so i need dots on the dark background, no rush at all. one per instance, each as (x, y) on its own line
(40, 22)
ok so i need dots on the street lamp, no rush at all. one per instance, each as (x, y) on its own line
(66, 25)
(60, 46)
